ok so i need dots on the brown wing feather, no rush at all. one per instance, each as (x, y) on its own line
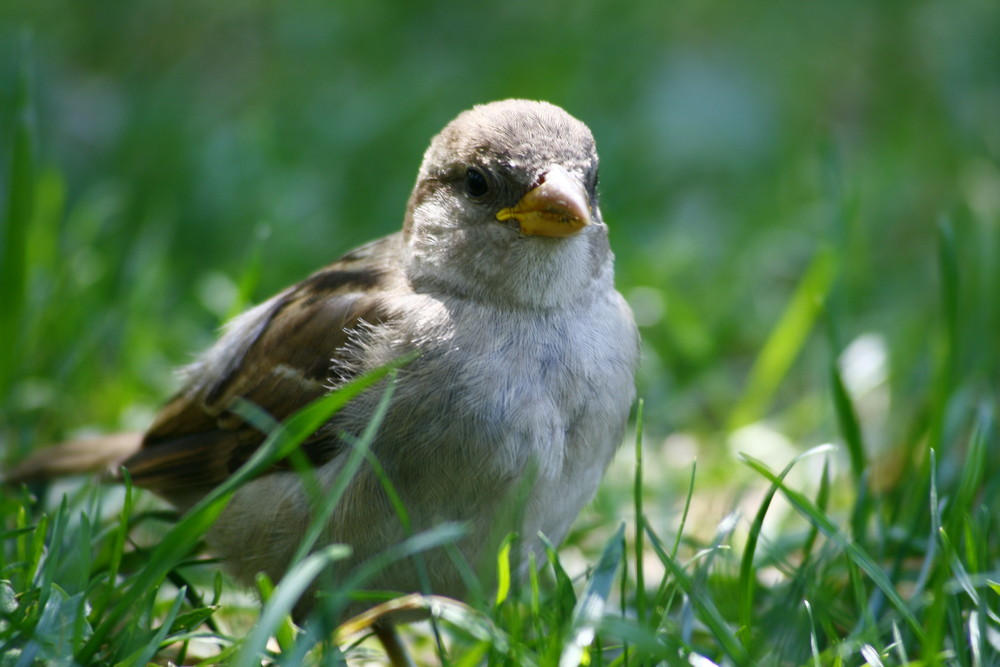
(102, 454)
(195, 442)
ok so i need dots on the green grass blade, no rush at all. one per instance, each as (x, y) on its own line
(590, 607)
(503, 571)
(640, 520)
(117, 549)
(705, 607)
(960, 576)
(646, 644)
(17, 217)
(822, 502)
(786, 340)
(847, 420)
(145, 653)
(949, 272)
(326, 502)
(280, 604)
(686, 511)
(946, 350)
(930, 553)
(284, 633)
(973, 472)
(442, 535)
(564, 593)
(857, 555)
(813, 643)
(747, 580)
(664, 592)
(50, 562)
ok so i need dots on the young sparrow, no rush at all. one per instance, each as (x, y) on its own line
(502, 281)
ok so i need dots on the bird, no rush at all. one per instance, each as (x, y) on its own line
(501, 287)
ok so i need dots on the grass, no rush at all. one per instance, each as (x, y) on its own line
(813, 478)
(918, 592)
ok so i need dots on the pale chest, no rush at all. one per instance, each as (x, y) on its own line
(497, 390)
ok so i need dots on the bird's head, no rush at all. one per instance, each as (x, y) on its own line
(505, 207)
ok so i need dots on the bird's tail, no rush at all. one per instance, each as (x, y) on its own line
(75, 457)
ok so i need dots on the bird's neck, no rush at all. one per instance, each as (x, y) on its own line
(530, 274)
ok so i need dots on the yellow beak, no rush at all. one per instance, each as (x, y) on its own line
(558, 207)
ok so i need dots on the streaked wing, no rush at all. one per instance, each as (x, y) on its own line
(279, 357)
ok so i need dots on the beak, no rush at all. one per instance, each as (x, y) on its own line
(558, 206)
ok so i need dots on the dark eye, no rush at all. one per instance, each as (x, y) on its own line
(475, 183)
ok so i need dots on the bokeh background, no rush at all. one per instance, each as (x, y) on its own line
(787, 185)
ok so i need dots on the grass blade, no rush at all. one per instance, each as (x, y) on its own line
(151, 645)
(786, 340)
(17, 218)
(325, 503)
(857, 555)
(747, 580)
(822, 502)
(284, 597)
(590, 607)
(847, 420)
(708, 613)
(640, 529)
(973, 471)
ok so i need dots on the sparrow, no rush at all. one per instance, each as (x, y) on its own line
(501, 284)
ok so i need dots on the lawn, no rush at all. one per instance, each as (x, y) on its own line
(804, 203)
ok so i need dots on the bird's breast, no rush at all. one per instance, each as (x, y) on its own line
(496, 395)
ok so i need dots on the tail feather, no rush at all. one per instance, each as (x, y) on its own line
(75, 457)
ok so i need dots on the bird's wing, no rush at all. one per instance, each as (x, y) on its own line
(280, 356)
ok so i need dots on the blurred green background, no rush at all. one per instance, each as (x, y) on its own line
(190, 158)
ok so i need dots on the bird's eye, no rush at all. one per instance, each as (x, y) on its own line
(475, 183)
